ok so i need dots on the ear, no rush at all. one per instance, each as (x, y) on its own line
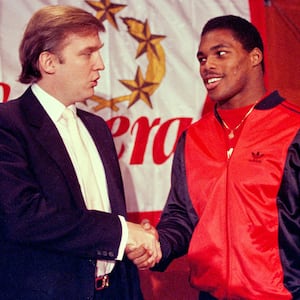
(47, 62)
(256, 57)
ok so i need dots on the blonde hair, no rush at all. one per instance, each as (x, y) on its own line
(47, 30)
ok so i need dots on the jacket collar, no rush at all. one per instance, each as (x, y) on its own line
(270, 101)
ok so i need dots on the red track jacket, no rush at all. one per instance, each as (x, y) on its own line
(238, 218)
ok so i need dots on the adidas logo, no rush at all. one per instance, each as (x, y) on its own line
(256, 157)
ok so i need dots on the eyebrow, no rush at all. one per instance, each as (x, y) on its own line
(92, 48)
(214, 48)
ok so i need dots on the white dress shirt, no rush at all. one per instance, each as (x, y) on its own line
(54, 109)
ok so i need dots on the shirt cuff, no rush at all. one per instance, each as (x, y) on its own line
(124, 238)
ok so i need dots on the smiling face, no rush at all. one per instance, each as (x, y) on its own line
(226, 68)
(71, 73)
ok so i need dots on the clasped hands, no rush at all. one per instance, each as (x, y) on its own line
(143, 246)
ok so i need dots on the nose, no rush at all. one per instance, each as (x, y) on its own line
(210, 62)
(99, 64)
(208, 65)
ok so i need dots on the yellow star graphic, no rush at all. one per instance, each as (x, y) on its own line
(106, 10)
(141, 32)
(140, 89)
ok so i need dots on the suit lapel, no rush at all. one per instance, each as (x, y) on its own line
(105, 147)
(47, 135)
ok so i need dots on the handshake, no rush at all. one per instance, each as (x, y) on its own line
(143, 247)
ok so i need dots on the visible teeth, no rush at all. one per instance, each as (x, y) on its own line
(211, 80)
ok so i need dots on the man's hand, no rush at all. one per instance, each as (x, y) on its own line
(143, 247)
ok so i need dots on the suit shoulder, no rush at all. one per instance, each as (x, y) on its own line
(14, 105)
(11, 104)
(9, 111)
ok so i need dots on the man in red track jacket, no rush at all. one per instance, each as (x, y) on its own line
(234, 203)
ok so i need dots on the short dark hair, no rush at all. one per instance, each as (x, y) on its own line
(244, 31)
(47, 30)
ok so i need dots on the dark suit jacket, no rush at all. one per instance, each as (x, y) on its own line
(49, 241)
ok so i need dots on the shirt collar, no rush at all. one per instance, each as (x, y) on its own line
(52, 106)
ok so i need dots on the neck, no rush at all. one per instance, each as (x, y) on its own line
(240, 103)
(243, 99)
(236, 120)
(52, 90)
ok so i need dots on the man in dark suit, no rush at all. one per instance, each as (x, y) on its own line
(58, 240)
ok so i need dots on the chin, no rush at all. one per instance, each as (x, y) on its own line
(91, 92)
(220, 99)
(87, 95)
